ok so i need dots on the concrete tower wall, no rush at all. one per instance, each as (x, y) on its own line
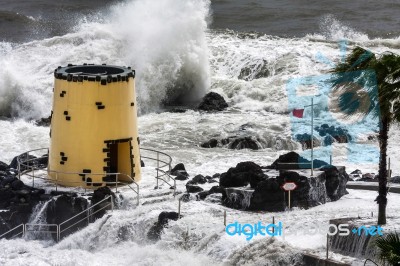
(94, 126)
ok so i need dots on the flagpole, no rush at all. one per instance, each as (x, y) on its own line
(312, 136)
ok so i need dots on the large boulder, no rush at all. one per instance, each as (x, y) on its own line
(29, 161)
(156, 230)
(212, 101)
(3, 166)
(212, 143)
(293, 160)
(269, 196)
(243, 174)
(180, 172)
(191, 188)
(244, 143)
(333, 134)
(305, 140)
(64, 206)
(234, 143)
(199, 179)
(336, 180)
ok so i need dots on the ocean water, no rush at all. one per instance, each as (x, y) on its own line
(181, 49)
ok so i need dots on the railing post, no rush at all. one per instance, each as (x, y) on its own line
(56, 181)
(273, 227)
(33, 176)
(327, 246)
(19, 168)
(225, 218)
(138, 195)
(112, 203)
(179, 208)
(87, 216)
(116, 183)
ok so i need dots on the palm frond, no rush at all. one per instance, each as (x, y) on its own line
(389, 248)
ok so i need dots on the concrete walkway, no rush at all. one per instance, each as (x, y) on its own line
(393, 188)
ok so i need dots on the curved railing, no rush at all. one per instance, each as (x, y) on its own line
(163, 167)
(28, 166)
(60, 228)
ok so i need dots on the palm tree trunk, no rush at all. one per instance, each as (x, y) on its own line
(383, 173)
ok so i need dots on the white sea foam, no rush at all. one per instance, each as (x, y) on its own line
(167, 43)
(167, 49)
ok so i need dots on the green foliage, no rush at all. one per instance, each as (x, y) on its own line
(363, 65)
(389, 248)
(387, 72)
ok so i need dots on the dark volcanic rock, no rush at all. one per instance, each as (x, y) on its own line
(3, 166)
(156, 230)
(293, 160)
(269, 196)
(64, 207)
(244, 143)
(336, 180)
(212, 101)
(43, 122)
(179, 166)
(193, 188)
(199, 179)
(181, 175)
(241, 175)
(179, 169)
(212, 143)
(255, 71)
(98, 195)
(215, 189)
(38, 163)
(234, 143)
(305, 140)
(339, 134)
(180, 172)
(395, 179)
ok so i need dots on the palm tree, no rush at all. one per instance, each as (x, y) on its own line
(363, 65)
(389, 248)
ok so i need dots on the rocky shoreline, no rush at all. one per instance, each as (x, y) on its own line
(21, 203)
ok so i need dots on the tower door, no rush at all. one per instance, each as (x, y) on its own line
(120, 159)
(114, 158)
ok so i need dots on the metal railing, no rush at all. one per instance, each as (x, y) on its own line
(163, 166)
(87, 214)
(38, 228)
(28, 166)
(21, 227)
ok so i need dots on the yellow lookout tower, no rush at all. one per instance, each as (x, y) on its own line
(94, 131)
